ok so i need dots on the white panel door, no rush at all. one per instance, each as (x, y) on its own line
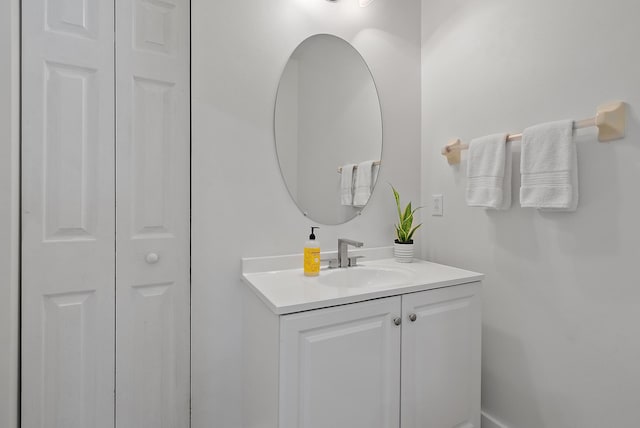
(340, 367)
(441, 358)
(68, 218)
(153, 209)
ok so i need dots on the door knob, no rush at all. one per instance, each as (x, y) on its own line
(397, 320)
(152, 258)
(413, 317)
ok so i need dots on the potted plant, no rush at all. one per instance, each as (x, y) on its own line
(403, 246)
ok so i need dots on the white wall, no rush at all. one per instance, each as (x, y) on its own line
(562, 297)
(240, 205)
(9, 179)
(287, 130)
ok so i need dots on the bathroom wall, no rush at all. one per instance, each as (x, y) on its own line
(561, 299)
(9, 152)
(240, 206)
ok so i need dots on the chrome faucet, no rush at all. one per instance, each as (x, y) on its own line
(343, 252)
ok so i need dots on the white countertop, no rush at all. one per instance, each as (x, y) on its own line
(287, 290)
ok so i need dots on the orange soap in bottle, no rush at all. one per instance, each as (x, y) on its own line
(312, 255)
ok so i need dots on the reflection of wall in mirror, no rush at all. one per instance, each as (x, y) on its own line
(339, 123)
(286, 126)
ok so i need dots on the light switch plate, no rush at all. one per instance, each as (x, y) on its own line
(437, 202)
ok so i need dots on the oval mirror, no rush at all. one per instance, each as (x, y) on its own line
(327, 115)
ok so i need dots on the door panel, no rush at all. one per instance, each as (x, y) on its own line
(68, 220)
(71, 157)
(340, 367)
(441, 358)
(152, 144)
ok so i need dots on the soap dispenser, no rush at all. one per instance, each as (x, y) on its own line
(312, 255)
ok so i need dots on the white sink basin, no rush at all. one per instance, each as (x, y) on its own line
(364, 276)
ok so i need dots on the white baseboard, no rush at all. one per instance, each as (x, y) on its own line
(488, 421)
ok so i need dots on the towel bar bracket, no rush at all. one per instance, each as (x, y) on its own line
(452, 151)
(611, 121)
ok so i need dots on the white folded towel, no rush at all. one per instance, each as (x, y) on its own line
(549, 167)
(346, 184)
(489, 172)
(363, 183)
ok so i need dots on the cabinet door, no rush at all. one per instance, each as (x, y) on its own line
(340, 367)
(68, 254)
(441, 358)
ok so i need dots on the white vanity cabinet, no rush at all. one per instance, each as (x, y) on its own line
(340, 367)
(440, 364)
(410, 360)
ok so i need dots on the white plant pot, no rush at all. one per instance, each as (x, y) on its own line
(403, 252)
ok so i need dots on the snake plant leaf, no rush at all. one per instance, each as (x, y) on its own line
(406, 224)
(407, 211)
(397, 197)
(412, 232)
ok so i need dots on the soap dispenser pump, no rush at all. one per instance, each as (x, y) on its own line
(312, 255)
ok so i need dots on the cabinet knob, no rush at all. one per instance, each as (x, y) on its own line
(152, 258)
(397, 320)
(413, 317)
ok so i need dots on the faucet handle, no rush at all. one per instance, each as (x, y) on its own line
(331, 263)
(353, 260)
